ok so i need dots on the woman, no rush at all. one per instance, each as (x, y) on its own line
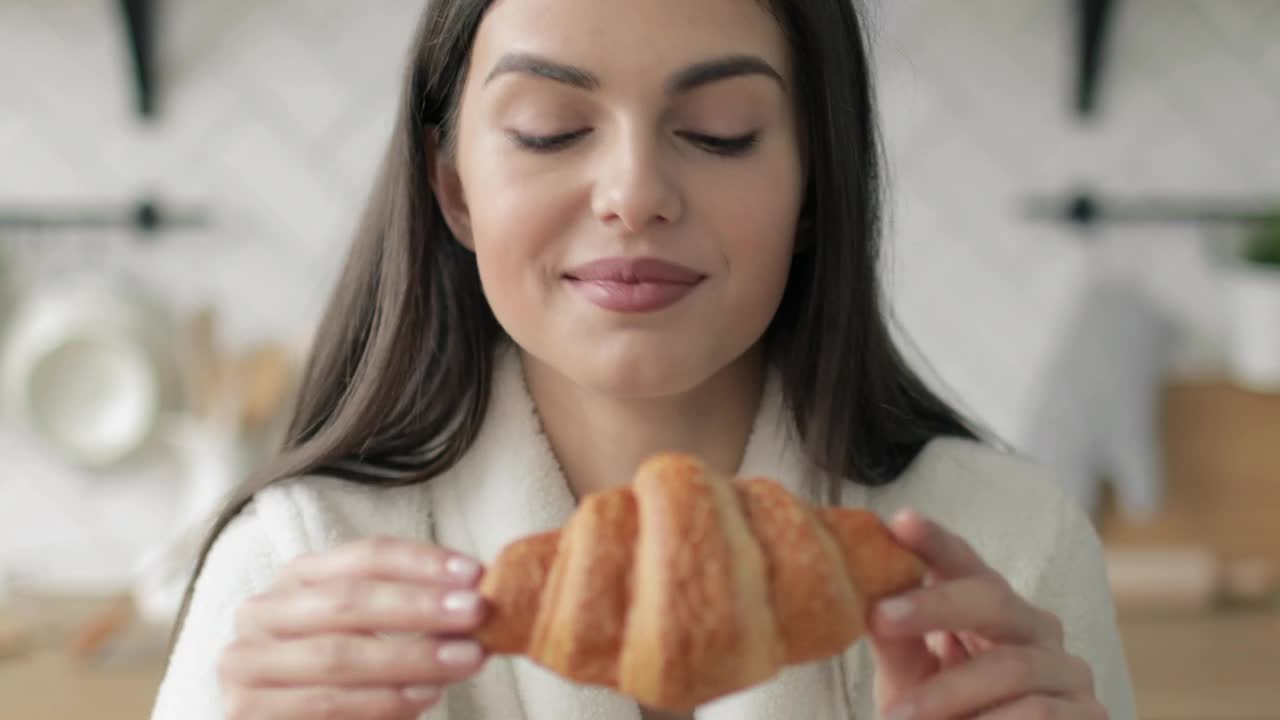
(606, 228)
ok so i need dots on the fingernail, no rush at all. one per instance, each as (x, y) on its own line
(461, 652)
(461, 602)
(462, 568)
(896, 608)
(907, 514)
(422, 693)
(901, 711)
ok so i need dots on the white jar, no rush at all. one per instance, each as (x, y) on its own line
(85, 367)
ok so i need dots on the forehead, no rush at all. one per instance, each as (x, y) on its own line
(625, 38)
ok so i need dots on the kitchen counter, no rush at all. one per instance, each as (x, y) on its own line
(41, 680)
(1205, 667)
(1187, 667)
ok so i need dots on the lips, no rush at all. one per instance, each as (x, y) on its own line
(635, 270)
(633, 285)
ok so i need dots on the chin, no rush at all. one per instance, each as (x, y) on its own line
(634, 367)
(637, 377)
(633, 371)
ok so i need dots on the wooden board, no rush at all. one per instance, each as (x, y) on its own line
(1222, 470)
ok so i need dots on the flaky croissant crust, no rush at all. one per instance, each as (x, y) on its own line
(688, 585)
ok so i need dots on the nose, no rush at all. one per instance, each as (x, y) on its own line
(636, 188)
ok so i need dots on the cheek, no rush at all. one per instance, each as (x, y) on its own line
(756, 214)
(517, 224)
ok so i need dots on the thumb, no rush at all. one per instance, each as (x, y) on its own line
(901, 664)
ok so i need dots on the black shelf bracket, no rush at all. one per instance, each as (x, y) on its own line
(146, 217)
(1086, 208)
(1095, 17)
(139, 19)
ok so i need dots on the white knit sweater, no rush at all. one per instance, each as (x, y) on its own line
(509, 485)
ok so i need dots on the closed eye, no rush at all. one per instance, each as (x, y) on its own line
(547, 143)
(727, 146)
(715, 144)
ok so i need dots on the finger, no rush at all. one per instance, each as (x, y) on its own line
(948, 648)
(901, 664)
(350, 661)
(947, 554)
(991, 679)
(350, 606)
(384, 558)
(974, 644)
(1042, 707)
(332, 702)
(983, 604)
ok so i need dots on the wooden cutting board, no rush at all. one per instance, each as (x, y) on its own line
(1221, 455)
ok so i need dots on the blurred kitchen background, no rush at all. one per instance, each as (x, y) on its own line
(1080, 255)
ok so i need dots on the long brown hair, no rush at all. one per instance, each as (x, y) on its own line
(398, 379)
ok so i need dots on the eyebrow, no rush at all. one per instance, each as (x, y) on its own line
(684, 81)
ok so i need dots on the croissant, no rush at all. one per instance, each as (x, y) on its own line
(688, 585)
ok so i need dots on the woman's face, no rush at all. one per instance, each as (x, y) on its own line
(629, 176)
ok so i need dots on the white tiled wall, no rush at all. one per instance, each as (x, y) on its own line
(275, 111)
(977, 100)
(273, 115)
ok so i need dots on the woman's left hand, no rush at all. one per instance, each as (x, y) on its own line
(966, 645)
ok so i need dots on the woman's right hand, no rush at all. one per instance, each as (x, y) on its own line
(372, 630)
